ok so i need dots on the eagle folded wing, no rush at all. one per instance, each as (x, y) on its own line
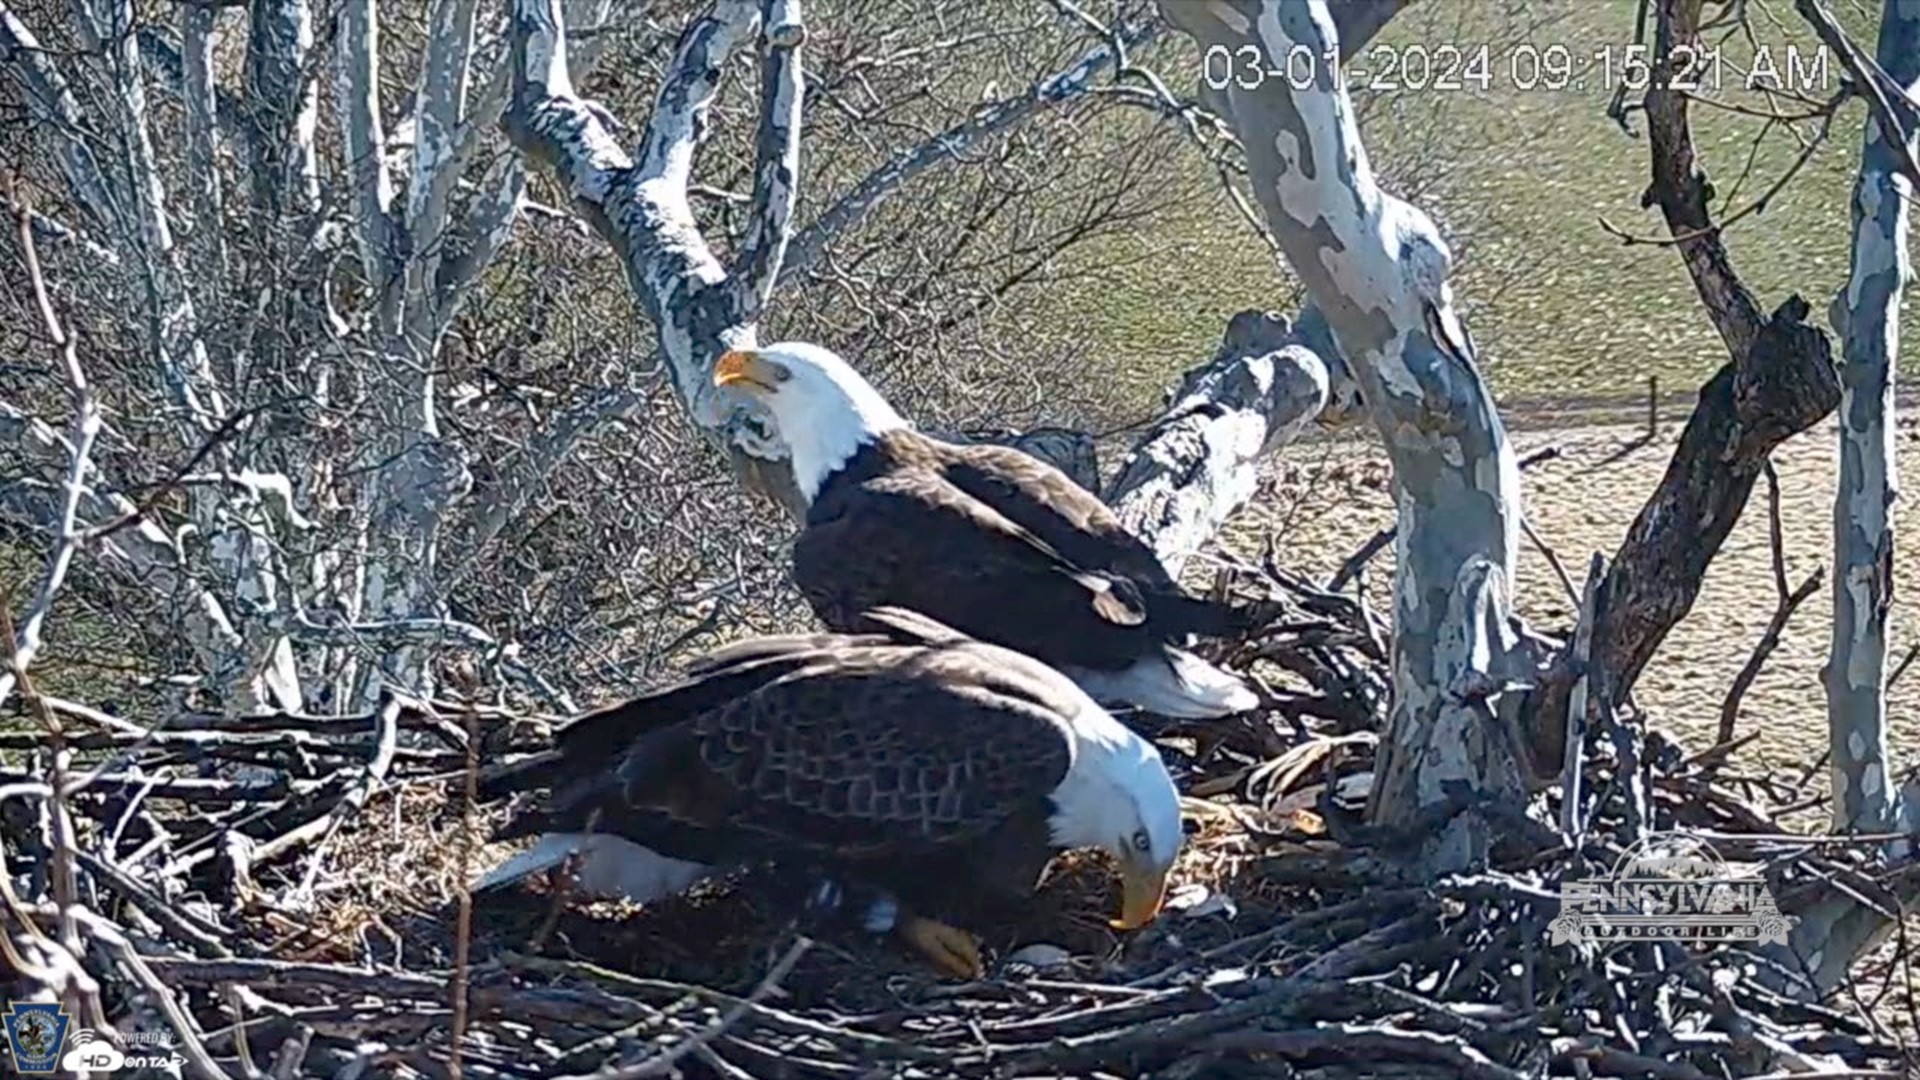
(861, 765)
(929, 547)
(1049, 504)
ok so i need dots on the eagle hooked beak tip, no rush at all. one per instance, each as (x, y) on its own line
(738, 366)
(1142, 891)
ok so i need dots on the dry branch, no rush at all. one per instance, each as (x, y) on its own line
(1780, 381)
(1199, 462)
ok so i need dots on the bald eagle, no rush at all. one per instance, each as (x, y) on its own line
(910, 759)
(987, 539)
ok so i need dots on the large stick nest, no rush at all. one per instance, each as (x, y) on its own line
(288, 890)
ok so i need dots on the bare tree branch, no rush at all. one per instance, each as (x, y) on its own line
(809, 246)
(53, 104)
(1199, 463)
(443, 97)
(86, 426)
(1779, 381)
(198, 86)
(282, 101)
(776, 174)
(364, 139)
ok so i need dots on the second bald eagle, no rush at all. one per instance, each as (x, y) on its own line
(989, 540)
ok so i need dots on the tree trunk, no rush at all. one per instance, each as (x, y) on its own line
(1867, 318)
(1837, 926)
(1779, 382)
(1377, 267)
(1200, 461)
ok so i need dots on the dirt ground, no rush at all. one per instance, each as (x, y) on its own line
(1329, 495)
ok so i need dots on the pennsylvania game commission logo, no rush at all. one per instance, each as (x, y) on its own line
(1673, 887)
(37, 1033)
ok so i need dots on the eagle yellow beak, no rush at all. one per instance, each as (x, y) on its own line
(1142, 891)
(745, 366)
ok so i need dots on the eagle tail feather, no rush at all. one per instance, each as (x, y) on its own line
(608, 866)
(1209, 685)
(1171, 682)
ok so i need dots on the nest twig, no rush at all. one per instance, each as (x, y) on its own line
(284, 894)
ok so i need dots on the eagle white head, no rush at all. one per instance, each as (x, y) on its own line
(1118, 796)
(825, 411)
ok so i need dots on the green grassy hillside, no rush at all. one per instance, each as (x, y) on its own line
(1520, 180)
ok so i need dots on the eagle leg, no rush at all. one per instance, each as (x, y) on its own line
(561, 879)
(950, 949)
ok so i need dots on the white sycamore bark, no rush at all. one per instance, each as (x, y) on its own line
(422, 206)
(419, 206)
(1377, 267)
(241, 546)
(1842, 925)
(1201, 461)
(699, 306)
(1868, 322)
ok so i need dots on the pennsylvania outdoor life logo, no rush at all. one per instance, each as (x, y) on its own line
(1672, 887)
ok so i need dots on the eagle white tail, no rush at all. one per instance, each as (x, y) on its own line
(608, 867)
(1172, 682)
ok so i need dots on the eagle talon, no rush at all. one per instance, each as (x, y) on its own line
(562, 879)
(949, 948)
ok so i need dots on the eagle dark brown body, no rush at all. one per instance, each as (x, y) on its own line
(912, 760)
(997, 544)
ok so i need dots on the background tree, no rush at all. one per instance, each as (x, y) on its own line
(392, 373)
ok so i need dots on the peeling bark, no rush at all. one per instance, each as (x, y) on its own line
(640, 208)
(281, 102)
(241, 565)
(198, 84)
(1837, 925)
(50, 101)
(1868, 323)
(776, 171)
(363, 138)
(1377, 267)
(143, 553)
(1199, 463)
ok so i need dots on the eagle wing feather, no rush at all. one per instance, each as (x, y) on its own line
(1049, 504)
(915, 541)
(862, 763)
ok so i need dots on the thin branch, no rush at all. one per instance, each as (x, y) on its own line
(665, 1063)
(86, 426)
(776, 172)
(1076, 80)
(1872, 82)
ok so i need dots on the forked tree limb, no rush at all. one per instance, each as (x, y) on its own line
(1378, 269)
(1780, 381)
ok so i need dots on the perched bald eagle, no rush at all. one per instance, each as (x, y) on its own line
(987, 539)
(941, 770)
